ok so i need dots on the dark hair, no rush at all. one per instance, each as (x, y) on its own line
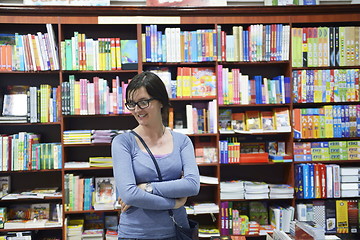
(153, 85)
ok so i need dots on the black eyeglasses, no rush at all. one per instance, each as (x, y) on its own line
(141, 104)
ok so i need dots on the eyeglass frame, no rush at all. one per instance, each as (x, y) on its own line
(137, 103)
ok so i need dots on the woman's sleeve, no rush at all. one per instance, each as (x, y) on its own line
(125, 180)
(189, 184)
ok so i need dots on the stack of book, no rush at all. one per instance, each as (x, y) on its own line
(281, 191)
(93, 234)
(77, 136)
(232, 190)
(256, 190)
(75, 229)
(100, 162)
(350, 181)
(103, 136)
(111, 235)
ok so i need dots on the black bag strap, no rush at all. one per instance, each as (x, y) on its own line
(150, 153)
(156, 166)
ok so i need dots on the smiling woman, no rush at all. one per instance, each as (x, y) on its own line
(146, 198)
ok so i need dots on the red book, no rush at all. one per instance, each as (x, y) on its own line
(322, 172)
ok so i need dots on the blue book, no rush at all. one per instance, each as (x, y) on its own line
(306, 180)
(311, 181)
(287, 89)
(258, 89)
(193, 47)
(299, 183)
(147, 44)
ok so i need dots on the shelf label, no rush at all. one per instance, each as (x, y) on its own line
(138, 20)
(68, 2)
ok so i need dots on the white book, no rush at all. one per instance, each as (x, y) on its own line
(301, 210)
(33, 104)
(53, 46)
(350, 193)
(189, 118)
(349, 171)
(350, 178)
(336, 181)
(329, 181)
(244, 89)
(350, 186)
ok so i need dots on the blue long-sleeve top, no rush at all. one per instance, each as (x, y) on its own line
(148, 216)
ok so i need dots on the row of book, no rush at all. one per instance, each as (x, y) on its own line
(92, 226)
(87, 193)
(277, 120)
(33, 104)
(232, 151)
(200, 117)
(333, 216)
(317, 180)
(333, 121)
(255, 43)
(103, 54)
(236, 88)
(325, 46)
(323, 151)
(89, 136)
(268, 217)
(327, 85)
(23, 151)
(35, 215)
(83, 97)
(195, 82)
(29, 52)
(93, 162)
(238, 189)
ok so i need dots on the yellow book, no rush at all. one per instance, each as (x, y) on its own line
(113, 53)
(187, 82)
(118, 53)
(231, 88)
(179, 80)
(77, 97)
(342, 221)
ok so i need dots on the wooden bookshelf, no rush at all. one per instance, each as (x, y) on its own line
(129, 23)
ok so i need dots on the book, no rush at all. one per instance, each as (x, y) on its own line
(282, 119)
(267, 120)
(129, 54)
(40, 211)
(253, 121)
(5, 185)
(105, 193)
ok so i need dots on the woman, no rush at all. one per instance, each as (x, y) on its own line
(144, 200)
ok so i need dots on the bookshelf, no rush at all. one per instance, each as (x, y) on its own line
(131, 23)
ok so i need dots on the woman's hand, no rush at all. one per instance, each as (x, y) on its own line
(123, 206)
(179, 202)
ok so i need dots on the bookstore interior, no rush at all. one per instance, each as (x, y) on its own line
(269, 97)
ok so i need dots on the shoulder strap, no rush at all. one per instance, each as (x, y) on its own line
(156, 166)
(150, 153)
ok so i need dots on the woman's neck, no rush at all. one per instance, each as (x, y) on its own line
(152, 132)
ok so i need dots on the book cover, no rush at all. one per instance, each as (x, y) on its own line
(238, 122)
(129, 54)
(253, 121)
(105, 191)
(40, 211)
(259, 212)
(282, 119)
(267, 120)
(342, 221)
(5, 184)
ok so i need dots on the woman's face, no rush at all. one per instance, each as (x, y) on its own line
(148, 115)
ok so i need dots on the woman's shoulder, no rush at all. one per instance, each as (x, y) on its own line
(123, 137)
(180, 136)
